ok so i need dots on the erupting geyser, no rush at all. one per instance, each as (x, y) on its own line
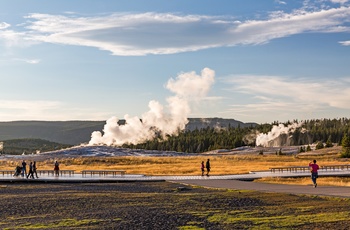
(278, 136)
(158, 120)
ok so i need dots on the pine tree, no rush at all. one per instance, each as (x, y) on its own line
(319, 145)
(308, 148)
(345, 143)
(329, 143)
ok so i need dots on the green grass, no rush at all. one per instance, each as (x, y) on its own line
(60, 224)
(278, 221)
(90, 206)
(190, 227)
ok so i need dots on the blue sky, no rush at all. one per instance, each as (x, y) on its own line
(253, 61)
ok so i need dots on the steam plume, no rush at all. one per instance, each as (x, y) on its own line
(158, 120)
(277, 135)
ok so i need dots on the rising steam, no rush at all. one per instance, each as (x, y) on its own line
(158, 120)
(278, 136)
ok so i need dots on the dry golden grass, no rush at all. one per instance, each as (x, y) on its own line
(323, 181)
(187, 165)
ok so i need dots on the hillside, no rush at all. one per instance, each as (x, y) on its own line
(77, 132)
(66, 132)
(29, 146)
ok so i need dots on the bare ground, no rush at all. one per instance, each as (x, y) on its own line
(162, 205)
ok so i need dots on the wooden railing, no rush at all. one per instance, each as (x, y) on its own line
(7, 172)
(307, 168)
(52, 172)
(102, 172)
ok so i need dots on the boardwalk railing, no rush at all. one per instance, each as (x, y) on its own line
(102, 172)
(307, 168)
(7, 172)
(290, 169)
(52, 172)
(63, 172)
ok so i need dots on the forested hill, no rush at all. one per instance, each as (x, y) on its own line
(77, 132)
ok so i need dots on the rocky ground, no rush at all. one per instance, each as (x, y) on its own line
(161, 205)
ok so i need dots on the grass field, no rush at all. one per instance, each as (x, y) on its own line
(190, 165)
(148, 205)
(163, 206)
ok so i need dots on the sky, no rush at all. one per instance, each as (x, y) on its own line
(252, 60)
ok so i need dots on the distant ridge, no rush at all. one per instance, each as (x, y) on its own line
(77, 132)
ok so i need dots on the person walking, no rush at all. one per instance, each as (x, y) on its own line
(314, 172)
(30, 173)
(202, 168)
(34, 170)
(24, 168)
(207, 165)
(56, 168)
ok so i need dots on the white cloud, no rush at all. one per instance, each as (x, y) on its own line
(280, 2)
(13, 38)
(19, 109)
(11, 110)
(339, 1)
(345, 43)
(161, 33)
(29, 61)
(4, 25)
(283, 96)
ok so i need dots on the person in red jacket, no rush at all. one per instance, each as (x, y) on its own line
(314, 172)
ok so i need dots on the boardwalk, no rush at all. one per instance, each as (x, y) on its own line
(236, 182)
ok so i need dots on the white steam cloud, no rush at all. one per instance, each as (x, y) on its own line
(158, 120)
(272, 138)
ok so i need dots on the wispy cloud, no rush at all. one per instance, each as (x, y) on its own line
(26, 105)
(285, 95)
(161, 33)
(4, 25)
(11, 110)
(345, 43)
(340, 1)
(29, 61)
(12, 38)
(280, 2)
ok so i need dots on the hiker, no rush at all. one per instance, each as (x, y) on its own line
(34, 170)
(207, 165)
(30, 173)
(314, 172)
(24, 169)
(202, 168)
(56, 168)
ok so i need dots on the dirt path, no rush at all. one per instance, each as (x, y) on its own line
(265, 187)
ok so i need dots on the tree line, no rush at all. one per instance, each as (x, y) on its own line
(209, 138)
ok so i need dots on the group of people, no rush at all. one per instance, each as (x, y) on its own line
(32, 173)
(207, 167)
(23, 170)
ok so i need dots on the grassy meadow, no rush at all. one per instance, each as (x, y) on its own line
(223, 164)
(186, 165)
(155, 205)
(149, 205)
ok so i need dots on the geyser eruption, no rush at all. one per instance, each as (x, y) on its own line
(158, 120)
(278, 136)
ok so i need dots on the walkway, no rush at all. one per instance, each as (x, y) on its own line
(236, 182)
(336, 191)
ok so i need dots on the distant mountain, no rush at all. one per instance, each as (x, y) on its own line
(77, 132)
